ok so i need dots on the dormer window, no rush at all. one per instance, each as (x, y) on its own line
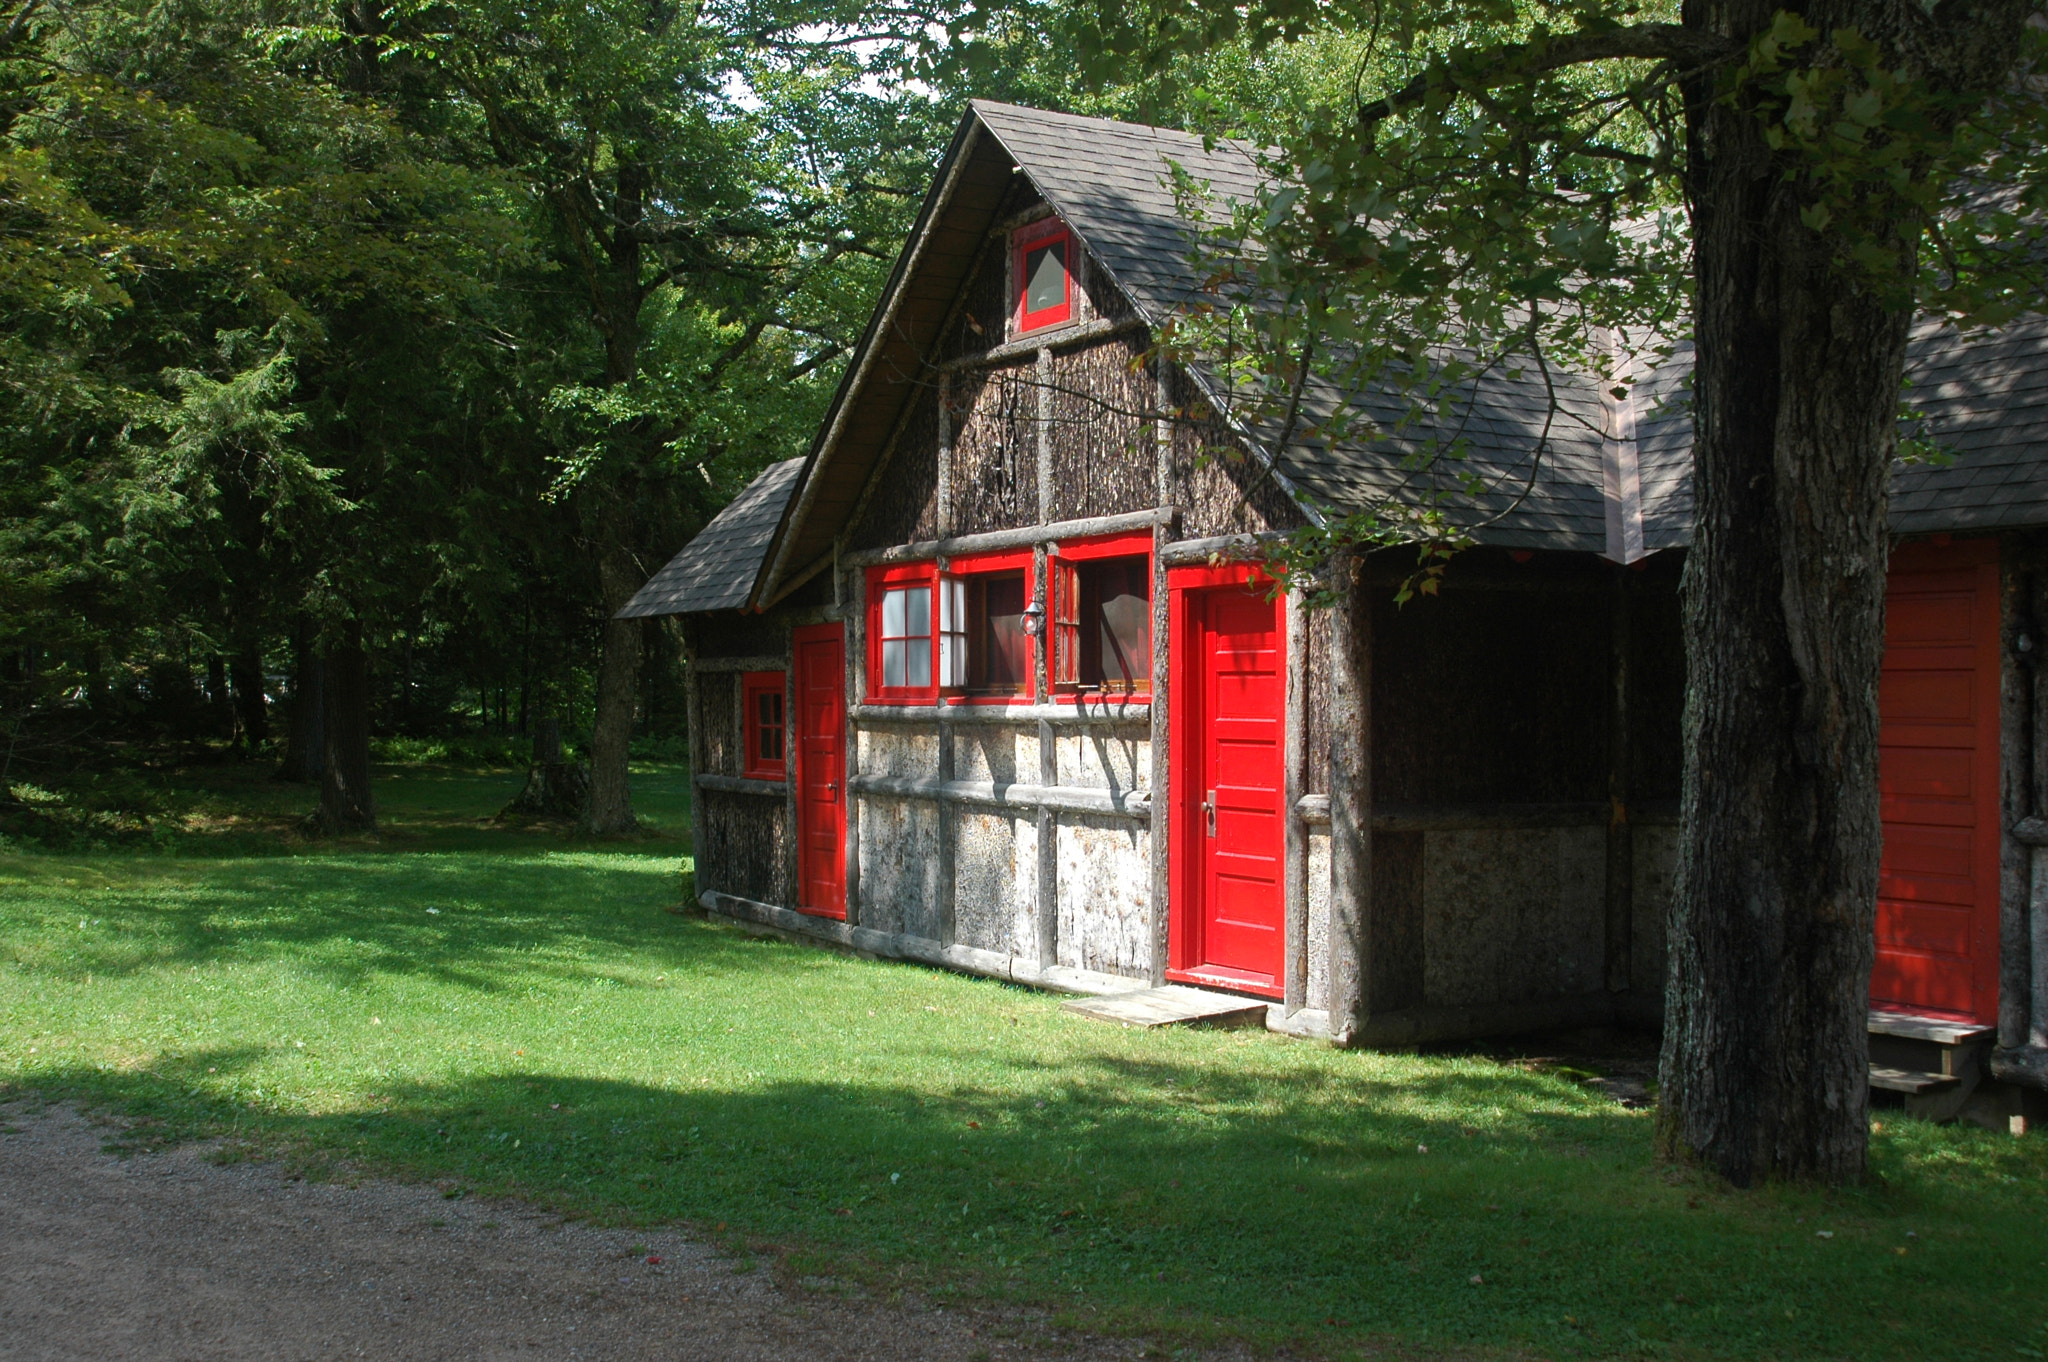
(1042, 268)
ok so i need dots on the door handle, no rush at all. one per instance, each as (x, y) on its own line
(833, 786)
(1209, 808)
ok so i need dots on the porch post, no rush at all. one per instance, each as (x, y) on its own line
(1621, 871)
(1350, 803)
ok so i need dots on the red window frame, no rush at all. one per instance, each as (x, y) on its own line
(973, 566)
(1063, 620)
(1022, 242)
(880, 581)
(753, 687)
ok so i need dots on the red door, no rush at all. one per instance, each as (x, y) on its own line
(821, 769)
(1229, 717)
(1937, 896)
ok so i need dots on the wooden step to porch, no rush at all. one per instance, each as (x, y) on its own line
(1909, 1081)
(1909, 1027)
(1172, 1005)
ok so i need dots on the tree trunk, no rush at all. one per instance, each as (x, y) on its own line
(554, 788)
(345, 803)
(305, 742)
(245, 678)
(611, 804)
(220, 706)
(1765, 1069)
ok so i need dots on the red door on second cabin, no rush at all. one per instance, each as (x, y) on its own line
(821, 769)
(1229, 907)
(1938, 709)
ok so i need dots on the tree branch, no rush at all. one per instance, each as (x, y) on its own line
(1513, 62)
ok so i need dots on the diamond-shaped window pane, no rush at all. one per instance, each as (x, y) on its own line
(1045, 275)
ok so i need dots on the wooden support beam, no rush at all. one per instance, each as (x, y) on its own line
(1083, 714)
(1295, 981)
(945, 476)
(1029, 536)
(1048, 919)
(856, 684)
(765, 662)
(743, 785)
(1234, 547)
(1081, 333)
(1159, 841)
(1350, 805)
(1009, 795)
(694, 736)
(1620, 886)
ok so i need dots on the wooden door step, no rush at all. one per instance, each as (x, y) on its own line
(1909, 1027)
(1909, 1081)
(1172, 1005)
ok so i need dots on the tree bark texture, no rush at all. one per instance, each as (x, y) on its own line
(554, 788)
(1796, 388)
(305, 755)
(611, 803)
(345, 802)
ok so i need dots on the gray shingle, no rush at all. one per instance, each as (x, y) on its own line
(717, 570)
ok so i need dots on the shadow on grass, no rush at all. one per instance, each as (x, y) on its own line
(1191, 1199)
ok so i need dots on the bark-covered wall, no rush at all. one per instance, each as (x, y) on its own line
(746, 848)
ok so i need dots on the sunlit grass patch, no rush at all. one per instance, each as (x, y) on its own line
(510, 1011)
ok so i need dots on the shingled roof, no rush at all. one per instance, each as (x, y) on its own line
(1614, 477)
(717, 570)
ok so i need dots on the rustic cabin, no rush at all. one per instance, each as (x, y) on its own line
(992, 678)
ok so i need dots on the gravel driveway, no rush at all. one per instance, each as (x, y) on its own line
(167, 1255)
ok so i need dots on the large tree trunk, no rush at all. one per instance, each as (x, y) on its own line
(245, 678)
(345, 803)
(1795, 391)
(611, 804)
(1765, 1070)
(305, 754)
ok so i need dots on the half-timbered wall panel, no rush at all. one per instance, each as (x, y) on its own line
(1104, 895)
(747, 848)
(1102, 435)
(718, 718)
(995, 448)
(1533, 932)
(900, 880)
(903, 507)
(995, 868)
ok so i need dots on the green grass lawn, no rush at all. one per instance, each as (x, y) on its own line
(514, 1011)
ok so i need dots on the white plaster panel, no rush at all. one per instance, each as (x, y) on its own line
(1656, 875)
(1104, 758)
(1511, 915)
(1104, 895)
(899, 865)
(995, 861)
(898, 751)
(1318, 918)
(995, 752)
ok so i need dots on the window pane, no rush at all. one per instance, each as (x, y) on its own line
(917, 654)
(1116, 603)
(892, 614)
(892, 659)
(1005, 648)
(1045, 275)
(917, 613)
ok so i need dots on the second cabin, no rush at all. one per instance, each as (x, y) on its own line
(992, 678)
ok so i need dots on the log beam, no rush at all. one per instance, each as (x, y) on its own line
(1350, 805)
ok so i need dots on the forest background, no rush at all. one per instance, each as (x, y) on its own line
(357, 361)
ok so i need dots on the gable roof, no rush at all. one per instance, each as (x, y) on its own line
(1613, 477)
(717, 570)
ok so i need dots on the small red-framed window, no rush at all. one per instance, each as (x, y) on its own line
(1102, 616)
(902, 633)
(985, 643)
(767, 728)
(1042, 275)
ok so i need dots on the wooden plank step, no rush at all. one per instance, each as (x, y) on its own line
(1928, 1028)
(1173, 1005)
(1909, 1081)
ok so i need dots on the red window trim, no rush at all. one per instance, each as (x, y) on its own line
(897, 575)
(1130, 545)
(1022, 241)
(751, 685)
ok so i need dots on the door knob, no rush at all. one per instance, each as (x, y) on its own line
(1209, 808)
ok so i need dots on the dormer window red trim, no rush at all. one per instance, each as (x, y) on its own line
(1042, 275)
